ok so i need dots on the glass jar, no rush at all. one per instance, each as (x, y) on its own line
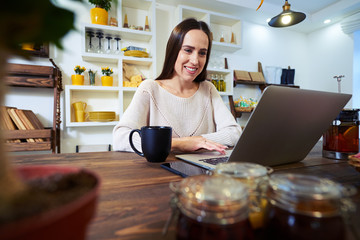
(222, 84)
(305, 207)
(342, 137)
(215, 81)
(255, 177)
(212, 208)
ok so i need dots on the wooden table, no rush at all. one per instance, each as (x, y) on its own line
(135, 194)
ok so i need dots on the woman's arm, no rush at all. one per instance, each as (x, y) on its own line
(228, 130)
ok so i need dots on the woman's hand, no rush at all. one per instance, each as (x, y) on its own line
(190, 144)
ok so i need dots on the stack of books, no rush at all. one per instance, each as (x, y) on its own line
(19, 119)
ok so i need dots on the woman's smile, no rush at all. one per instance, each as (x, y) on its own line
(191, 70)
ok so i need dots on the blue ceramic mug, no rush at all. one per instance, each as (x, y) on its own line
(155, 142)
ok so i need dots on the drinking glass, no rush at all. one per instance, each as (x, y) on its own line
(108, 49)
(100, 36)
(90, 45)
(117, 51)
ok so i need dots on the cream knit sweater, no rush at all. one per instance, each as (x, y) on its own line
(203, 114)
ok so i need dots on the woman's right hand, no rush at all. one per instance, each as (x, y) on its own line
(190, 144)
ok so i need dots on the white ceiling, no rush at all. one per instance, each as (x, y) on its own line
(316, 10)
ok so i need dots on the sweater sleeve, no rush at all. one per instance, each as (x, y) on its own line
(135, 116)
(228, 130)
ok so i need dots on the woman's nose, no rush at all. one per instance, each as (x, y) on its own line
(194, 58)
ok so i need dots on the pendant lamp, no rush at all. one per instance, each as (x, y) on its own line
(287, 17)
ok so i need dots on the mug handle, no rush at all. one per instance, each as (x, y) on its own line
(85, 105)
(131, 142)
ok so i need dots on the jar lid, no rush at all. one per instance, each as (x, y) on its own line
(242, 170)
(311, 187)
(214, 190)
(348, 115)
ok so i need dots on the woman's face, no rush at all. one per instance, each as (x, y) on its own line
(192, 55)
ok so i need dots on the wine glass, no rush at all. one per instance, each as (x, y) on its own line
(90, 45)
(100, 36)
(108, 49)
(117, 38)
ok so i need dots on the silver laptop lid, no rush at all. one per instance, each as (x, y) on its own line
(286, 124)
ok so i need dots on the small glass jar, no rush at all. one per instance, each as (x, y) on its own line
(342, 137)
(222, 86)
(215, 81)
(303, 207)
(255, 177)
(212, 208)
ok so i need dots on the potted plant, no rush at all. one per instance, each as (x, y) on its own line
(107, 79)
(92, 75)
(99, 14)
(78, 78)
(24, 21)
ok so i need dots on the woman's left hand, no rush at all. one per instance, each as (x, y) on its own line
(190, 144)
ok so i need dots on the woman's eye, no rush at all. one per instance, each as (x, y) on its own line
(202, 53)
(188, 50)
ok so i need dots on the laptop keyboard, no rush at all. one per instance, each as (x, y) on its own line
(214, 161)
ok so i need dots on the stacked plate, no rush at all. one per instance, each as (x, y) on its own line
(101, 116)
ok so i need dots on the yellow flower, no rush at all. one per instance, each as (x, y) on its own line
(106, 71)
(79, 70)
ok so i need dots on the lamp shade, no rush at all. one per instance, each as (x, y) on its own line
(287, 17)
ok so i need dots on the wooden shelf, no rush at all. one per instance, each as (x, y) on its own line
(22, 75)
(262, 85)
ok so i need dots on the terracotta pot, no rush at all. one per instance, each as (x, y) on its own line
(68, 221)
(77, 79)
(107, 81)
(99, 16)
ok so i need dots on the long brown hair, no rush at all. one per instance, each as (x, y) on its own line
(174, 45)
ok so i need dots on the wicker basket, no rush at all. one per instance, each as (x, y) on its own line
(244, 109)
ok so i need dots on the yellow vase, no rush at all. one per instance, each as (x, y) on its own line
(99, 16)
(77, 79)
(79, 106)
(107, 81)
(80, 116)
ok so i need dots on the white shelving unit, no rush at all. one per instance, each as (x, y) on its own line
(97, 98)
(116, 98)
(220, 25)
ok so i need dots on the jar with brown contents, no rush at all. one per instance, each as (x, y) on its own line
(212, 208)
(304, 207)
(342, 137)
(255, 177)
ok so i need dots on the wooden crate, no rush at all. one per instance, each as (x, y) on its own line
(34, 76)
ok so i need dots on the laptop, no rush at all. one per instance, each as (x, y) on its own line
(283, 128)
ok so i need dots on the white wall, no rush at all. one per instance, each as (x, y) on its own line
(331, 54)
(316, 57)
(356, 76)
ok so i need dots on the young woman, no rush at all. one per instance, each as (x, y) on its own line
(181, 98)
